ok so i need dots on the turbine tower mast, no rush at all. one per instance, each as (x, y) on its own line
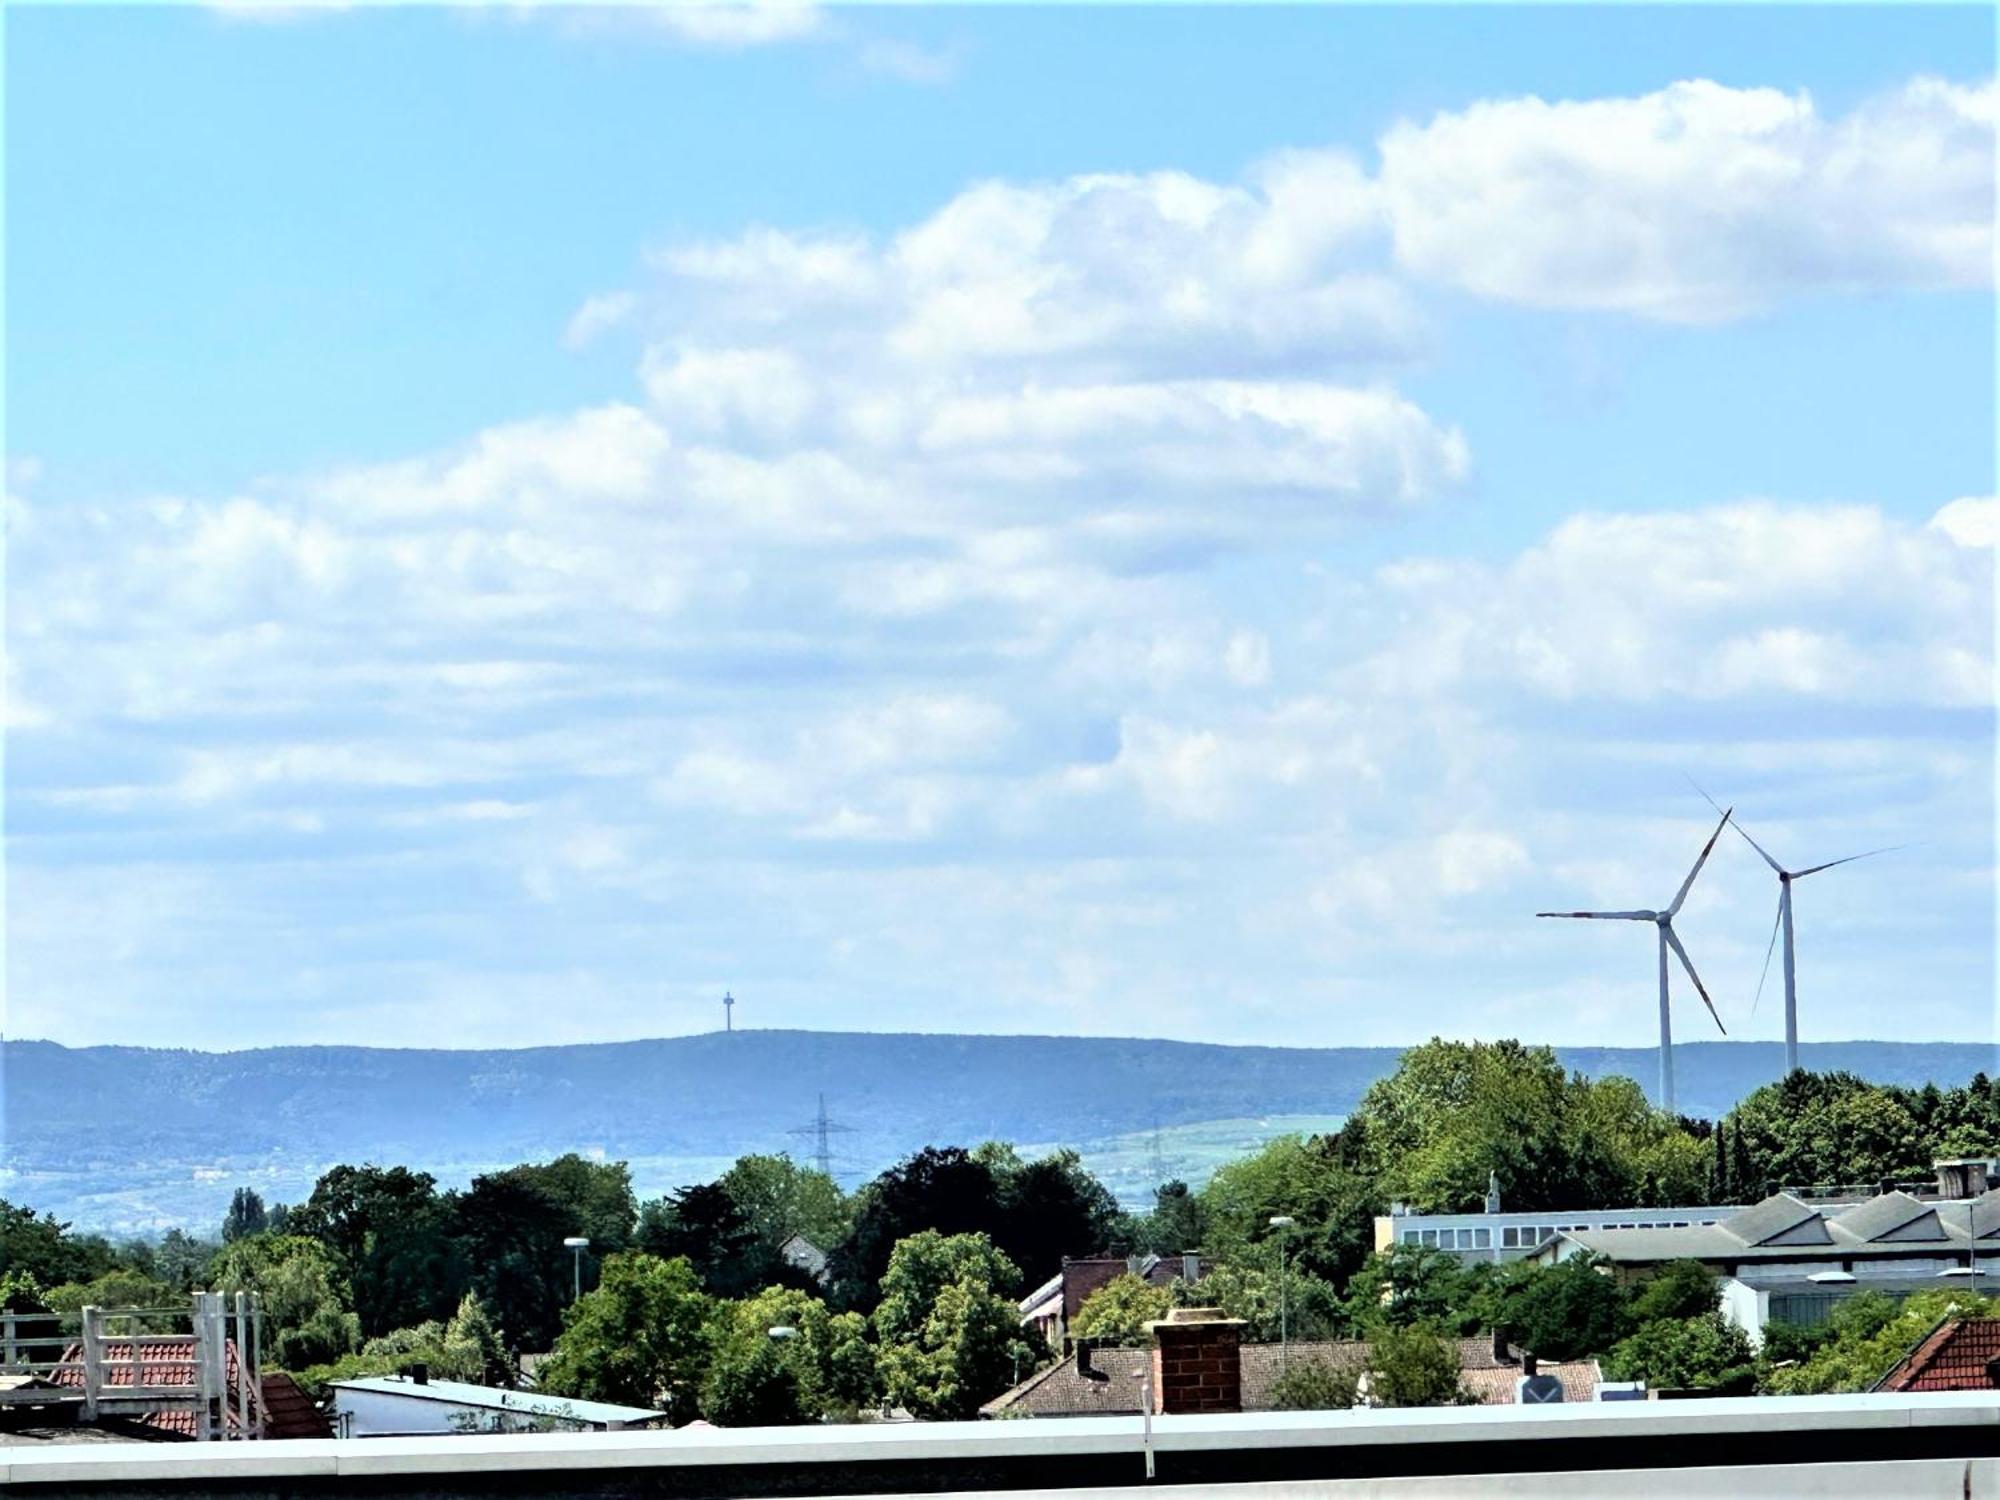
(1782, 922)
(1663, 921)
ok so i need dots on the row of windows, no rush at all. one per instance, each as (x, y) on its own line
(1519, 1237)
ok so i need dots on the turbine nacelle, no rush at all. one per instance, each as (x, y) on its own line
(1669, 942)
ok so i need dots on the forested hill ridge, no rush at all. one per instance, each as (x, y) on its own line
(128, 1136)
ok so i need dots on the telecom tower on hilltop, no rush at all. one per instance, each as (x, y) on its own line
(819, 1129)
(728, 1012)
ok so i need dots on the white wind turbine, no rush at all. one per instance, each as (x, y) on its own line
(1783, 921)
(1664, 921)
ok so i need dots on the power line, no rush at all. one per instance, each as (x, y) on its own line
(819, 1129)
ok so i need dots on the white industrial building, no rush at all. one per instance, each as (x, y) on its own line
(396, 1405)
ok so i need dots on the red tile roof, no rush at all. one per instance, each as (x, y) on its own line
(1960, 1354)
(165, 1359)
(1114, 1386)
(289, 1412)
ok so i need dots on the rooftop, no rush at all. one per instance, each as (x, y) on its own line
(1784, 1228)
(1112, 1386)
(492, 1398)
(1960, 1354)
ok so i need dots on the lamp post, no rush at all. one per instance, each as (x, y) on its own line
(576, 1244)
(1283, 1224)
(782, 1332)
(1971, 1266)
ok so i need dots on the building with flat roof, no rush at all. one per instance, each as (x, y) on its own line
(1788, 1261)
(398, 1405)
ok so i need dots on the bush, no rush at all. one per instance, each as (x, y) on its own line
(1118, 1311)
(1413, 1366)
(1316, 1384)
(1707, 1353)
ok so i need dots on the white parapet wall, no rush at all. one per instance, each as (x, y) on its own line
(1902, 1444)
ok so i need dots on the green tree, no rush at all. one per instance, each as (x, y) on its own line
(1179, 1221)
(1119, 1311)
(1871, 1335)
(1317, 1383)
(949, 1331)
(1309, 1309)
(779, 1198)
(824, 1370)
(512, 1231)
(119, 1289)
(1413, 1365)
(44, 1248)
(1454, 1112)
(639, 1339)
(302, 1294)
(246, 1216)
(597, 1195)
(1317, 1183)
(945, 1189)
(705, 1226)
(1702, 1353)
(1407, 1285)
(1570, 1310)
(1680, 1289)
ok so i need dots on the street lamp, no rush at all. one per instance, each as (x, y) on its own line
(576, 1244)
(1971, 1266)
(782, 1332)
(1283, 1223)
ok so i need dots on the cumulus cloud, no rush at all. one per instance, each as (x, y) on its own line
(1699, 202)
(1831, 602)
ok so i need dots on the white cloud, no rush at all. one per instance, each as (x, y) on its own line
(1738, 601)
(731, 24)
(1697, 203)
(598, 315)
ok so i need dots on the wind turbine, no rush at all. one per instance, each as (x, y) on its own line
(1783, 920)
(1664, 921)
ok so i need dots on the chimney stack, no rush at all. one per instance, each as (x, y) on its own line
(1963, 1177)
(420, 1373)
(1197, 1361)
(1083, 1365)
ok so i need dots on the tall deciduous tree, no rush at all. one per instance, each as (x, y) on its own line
(949, 1331)
(639, 1339)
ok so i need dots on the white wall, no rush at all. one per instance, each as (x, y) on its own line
(376, 1413)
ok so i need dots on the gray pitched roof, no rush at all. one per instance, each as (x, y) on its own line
(1893, 1214)
(1778, 1214)
(1781, 1228)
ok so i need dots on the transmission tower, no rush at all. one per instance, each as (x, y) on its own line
(819, 1129)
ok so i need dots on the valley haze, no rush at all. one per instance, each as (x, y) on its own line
(680, 1109)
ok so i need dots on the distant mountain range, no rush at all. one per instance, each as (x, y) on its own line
(131, 1137)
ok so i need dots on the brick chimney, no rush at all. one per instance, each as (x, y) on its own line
(1197, 1361)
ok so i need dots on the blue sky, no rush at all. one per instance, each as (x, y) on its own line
(1185, 521)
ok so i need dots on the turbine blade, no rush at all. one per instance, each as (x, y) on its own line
(1761, 850)
(1780, 869)
(1606, 916)
(1800, 874)
(1687, 963)
(1687, 884)
(1704, 793)
(1769, 948)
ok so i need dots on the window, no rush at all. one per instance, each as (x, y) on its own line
(1510, 1239)
(1430, 1237)
(1465, 1239)
(1482, 1239)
